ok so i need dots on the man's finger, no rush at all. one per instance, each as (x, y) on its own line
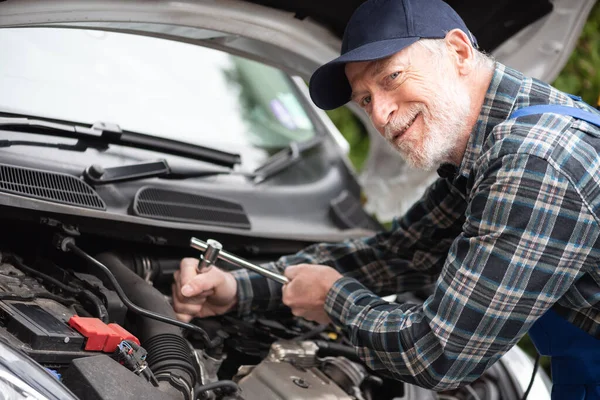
(183, 317)
(185, 308)
(293, 270)
(201, 283)
(199, 299)
(285, 297)
(298, 312)
(289, 296)
(188, 270)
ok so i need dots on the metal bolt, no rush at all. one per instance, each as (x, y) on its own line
(301, 382)
(210, 255)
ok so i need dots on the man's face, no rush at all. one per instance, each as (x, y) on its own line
(416, 100)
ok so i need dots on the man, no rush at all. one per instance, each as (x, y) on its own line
(510, 232)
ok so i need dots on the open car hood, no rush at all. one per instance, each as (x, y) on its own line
(297, 36)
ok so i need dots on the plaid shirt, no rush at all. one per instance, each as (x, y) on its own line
(514, 233)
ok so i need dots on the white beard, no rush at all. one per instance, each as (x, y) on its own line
(445, 121)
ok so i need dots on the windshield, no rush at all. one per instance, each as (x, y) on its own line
(152, 86)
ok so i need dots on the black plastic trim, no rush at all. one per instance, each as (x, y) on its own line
(158, 203)
(51, 186)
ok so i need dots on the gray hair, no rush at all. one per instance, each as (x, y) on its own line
(438, 48)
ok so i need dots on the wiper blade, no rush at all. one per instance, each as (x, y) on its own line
(97, 175)
(104, 134)
(285, 158)
(79, 146)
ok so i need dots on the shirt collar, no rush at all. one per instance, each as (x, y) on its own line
(497, 106)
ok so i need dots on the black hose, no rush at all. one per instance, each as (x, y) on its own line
(159, 268)
(143, 295)
(336, 349)
(312, 333)
(168, 352)
(43, 276)
(224, 384)
(101, 311)
(68, 243)
(535, 368)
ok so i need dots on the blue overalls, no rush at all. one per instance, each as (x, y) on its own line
(575, 354)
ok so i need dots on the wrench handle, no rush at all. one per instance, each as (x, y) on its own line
(240, 262)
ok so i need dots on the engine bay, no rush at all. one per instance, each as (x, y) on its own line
(96, 316)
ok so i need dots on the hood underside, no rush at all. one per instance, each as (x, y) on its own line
(491, 23)
(311, 29)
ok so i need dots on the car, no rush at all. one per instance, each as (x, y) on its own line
(133, 134)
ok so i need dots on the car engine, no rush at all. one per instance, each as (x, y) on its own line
(102, 327)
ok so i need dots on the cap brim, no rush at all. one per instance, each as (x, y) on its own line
(329, 87)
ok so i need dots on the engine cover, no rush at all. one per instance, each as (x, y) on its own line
(289, 372)
(271, 380)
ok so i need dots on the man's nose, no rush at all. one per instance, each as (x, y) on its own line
(382, 112)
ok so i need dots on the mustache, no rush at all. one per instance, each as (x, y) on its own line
(401, 121)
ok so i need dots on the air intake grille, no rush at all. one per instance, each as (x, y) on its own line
(50, 186)
(187, 207)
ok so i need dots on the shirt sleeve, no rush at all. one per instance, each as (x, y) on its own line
(407, 257)
(527, 237)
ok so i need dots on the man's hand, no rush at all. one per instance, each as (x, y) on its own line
(202, 295)
(307, 290)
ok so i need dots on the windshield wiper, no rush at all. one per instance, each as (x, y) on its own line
(103, 134)
(79, 146)
(97, 175)
(285, 158)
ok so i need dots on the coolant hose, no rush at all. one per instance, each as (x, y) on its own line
(168, 352)
(336, 349)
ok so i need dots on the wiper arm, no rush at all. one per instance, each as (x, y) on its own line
(285, 158)
(104, 134)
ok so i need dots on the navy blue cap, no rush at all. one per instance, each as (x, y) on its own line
(379, 29)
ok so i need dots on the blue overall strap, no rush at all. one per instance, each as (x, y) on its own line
(574, 112)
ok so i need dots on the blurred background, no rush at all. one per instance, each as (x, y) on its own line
(580, 76)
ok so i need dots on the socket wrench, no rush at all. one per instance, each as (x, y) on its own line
(215, 250)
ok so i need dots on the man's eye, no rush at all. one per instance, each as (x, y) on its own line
(365, 101)
(394, 75)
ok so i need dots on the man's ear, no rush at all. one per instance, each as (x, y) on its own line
(461, 50)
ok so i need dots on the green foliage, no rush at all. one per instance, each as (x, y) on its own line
(581, 74)
(354, 132)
